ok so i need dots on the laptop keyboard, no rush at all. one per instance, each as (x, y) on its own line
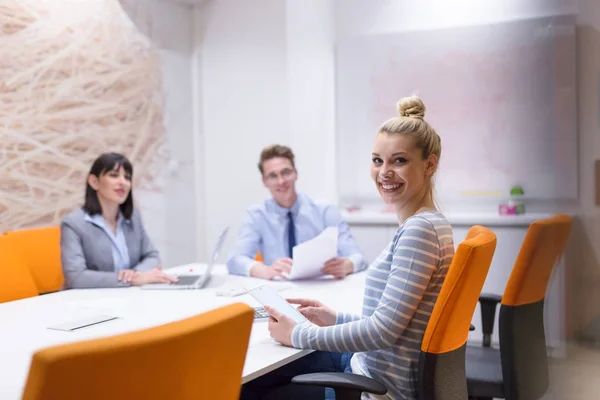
(260, 313)
(186, 279)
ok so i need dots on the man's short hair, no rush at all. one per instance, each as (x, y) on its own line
(275, 151)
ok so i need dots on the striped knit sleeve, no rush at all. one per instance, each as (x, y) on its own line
(415, 259)
(343, 318)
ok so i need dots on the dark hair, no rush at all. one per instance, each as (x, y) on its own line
(105, 163)
(275, 151)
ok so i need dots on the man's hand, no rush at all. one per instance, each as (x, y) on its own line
(338, 267)
(277, 269)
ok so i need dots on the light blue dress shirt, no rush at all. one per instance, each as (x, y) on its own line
(265, 230)
(120, 252)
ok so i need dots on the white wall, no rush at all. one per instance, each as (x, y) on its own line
(584, 279)
(356, 17)
(589, 110)
(244, 105)
(266, 71)
(311, 94)
(169, 214)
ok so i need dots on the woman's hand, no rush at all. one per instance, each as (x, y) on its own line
(315, 311)
(280, 326)
(127, 275)
(155, 275)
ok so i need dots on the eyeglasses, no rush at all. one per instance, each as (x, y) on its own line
(285, 174)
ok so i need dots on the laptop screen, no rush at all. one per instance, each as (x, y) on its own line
(217, 250)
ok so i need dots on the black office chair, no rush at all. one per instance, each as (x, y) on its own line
(441, 374)
(519, 370)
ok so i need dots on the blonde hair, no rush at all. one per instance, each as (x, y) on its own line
(411, 122)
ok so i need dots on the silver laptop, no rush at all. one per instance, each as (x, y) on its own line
(193, 281)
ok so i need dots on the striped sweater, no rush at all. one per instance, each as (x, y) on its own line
(401, 288)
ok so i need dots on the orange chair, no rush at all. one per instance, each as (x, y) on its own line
(40, 249)
(442, 361)
(519, 369)
(16, 281)
(441, 373)
(258, 257)
(197, 358)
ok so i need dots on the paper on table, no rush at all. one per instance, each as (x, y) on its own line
(310, 256)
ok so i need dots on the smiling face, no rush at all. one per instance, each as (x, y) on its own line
(279, 176)
(112, 187)
(399, 170)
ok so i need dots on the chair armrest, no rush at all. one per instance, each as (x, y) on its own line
(490, 297)
(342, 382)
(488, 303)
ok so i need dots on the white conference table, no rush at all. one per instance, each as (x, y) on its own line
(24, 323)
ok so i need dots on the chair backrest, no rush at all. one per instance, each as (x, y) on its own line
(40, 247)
(199, 357)
(521, 320)
(16, 281)
(442, 359)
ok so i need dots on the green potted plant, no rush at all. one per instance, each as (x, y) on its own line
(517, 195)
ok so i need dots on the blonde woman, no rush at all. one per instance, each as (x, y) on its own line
(402, 285)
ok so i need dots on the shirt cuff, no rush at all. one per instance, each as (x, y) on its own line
(296, 335)
(241, 266)
(249, 266)
(297, 332)
(357, 260)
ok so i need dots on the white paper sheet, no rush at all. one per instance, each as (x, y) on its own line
(310, 256)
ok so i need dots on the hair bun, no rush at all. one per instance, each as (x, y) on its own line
(411, 107)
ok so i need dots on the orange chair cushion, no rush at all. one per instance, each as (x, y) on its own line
(201, 357)
(448, 327)
(16, 282)
(40, 249)
(543, 245)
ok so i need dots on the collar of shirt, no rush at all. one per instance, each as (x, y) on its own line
(282, 211)
(99, 220)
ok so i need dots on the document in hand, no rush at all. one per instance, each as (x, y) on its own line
(310, 256)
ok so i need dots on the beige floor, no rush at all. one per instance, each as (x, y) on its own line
(577, 376)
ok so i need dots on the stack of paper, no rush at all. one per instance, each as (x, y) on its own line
(310, 256)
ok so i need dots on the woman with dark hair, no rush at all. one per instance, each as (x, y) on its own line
(103, 243)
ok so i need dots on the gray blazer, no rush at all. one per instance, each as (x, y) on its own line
(86, 252)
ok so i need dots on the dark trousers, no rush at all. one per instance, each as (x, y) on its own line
(277, 384)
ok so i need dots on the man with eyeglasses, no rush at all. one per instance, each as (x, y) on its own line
(274, 227)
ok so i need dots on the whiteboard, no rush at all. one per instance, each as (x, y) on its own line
(502, 97)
